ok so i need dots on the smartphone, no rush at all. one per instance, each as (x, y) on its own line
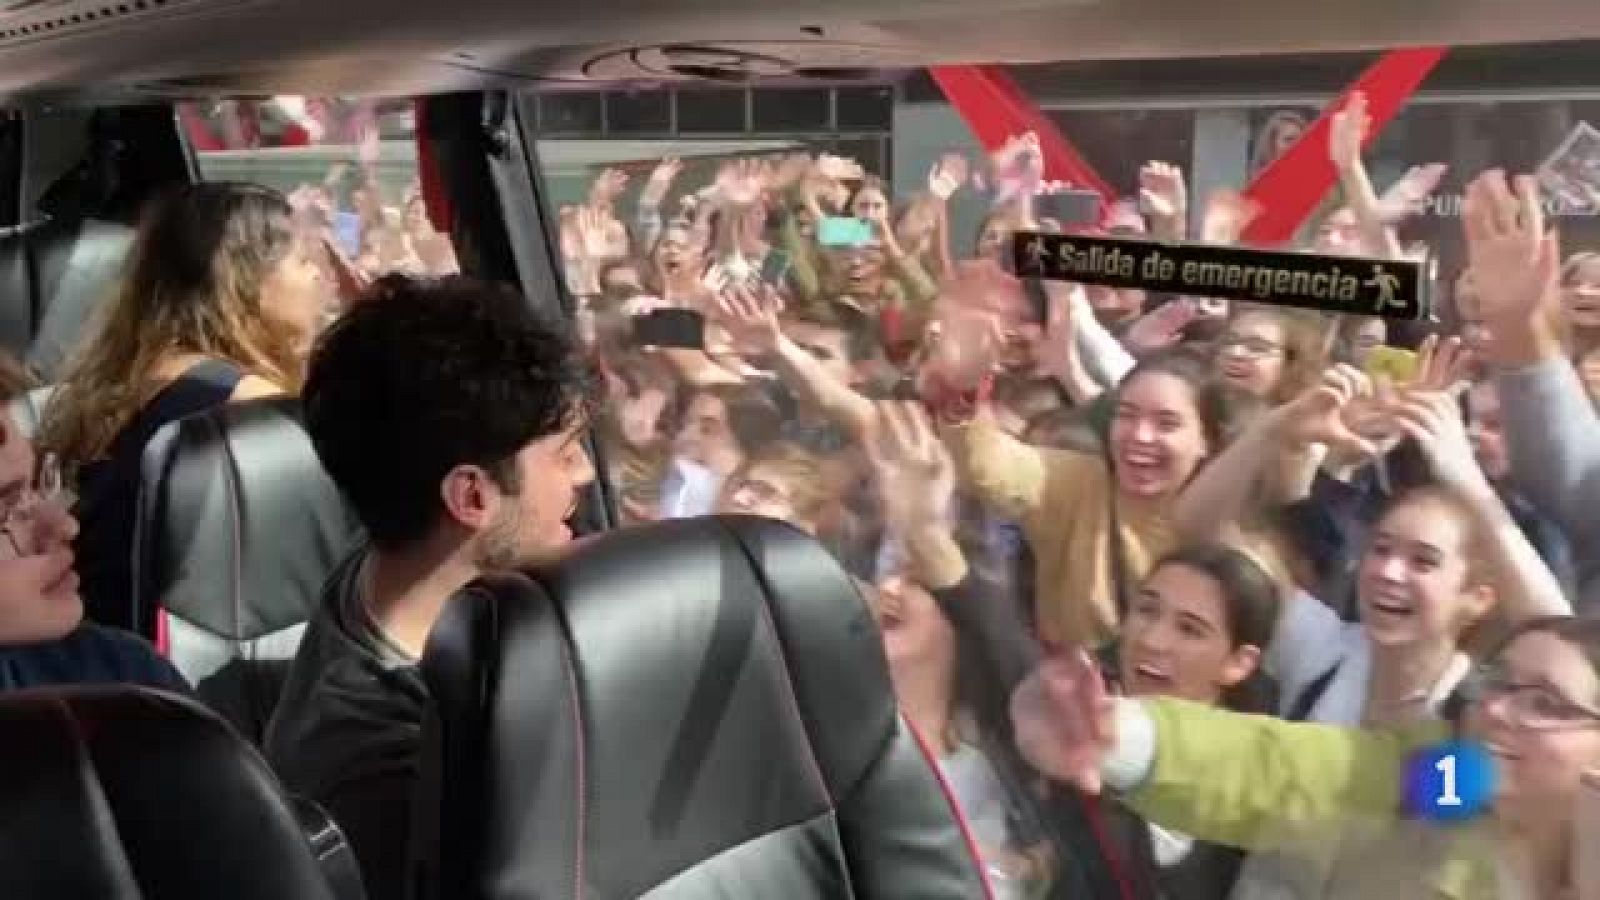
(677, 328)
(775, 268)
(347, 232)
(1393, 364)
(1073, 209)
(842, 231)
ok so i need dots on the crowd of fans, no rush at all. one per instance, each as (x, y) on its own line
(1227, 504)
(1170, 586)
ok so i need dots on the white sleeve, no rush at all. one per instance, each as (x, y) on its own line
(1103, 355)
(1129, 762)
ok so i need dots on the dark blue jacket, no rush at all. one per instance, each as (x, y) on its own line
(90, 655)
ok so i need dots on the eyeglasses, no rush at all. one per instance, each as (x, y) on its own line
(1529, 704)
(19, 512)
(1250, 347)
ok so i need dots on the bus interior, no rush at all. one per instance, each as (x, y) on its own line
(781, 241)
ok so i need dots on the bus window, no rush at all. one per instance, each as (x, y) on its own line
(348, 166)
(805, 309)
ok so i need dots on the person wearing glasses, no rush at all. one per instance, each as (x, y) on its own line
(1327, 800)
(44, 638)
(1274, 354)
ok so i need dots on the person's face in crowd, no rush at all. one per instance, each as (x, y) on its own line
(805, 221)
(1538, 715)
(917, 638)
(1581, 295)
(1113, 306)
(863, 271)
(640, 414)
(1487, 431)
(39, 598)
(828, 346)
(1251, 353)
(1339, 234)
(1415, 582)
(994, 238)
(529, 524)
(1371, 334)
(678, 255)
(1157, 438)
(1175, 639)
(706, 438)
(870, 204)
(763, 489)
(297, 292)
(1287, 133)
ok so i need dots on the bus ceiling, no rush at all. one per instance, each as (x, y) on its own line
(143, 49)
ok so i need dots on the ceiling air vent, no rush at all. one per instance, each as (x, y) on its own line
(34, 19)
(740, 62)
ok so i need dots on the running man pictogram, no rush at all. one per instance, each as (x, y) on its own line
(1387, 285)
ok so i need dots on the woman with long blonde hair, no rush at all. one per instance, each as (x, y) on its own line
(221, 298)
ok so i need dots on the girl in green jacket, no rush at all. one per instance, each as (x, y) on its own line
(1331, 796)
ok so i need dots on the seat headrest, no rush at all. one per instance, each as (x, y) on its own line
(55, 274)
(127, 793)
(238, 526)
(660, 696)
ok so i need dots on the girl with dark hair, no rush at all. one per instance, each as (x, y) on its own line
(1095, 521)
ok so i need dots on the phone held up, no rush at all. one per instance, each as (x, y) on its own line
(683, 329)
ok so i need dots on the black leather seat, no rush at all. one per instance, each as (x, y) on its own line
(693, 709)
(238, 526)
(132, 793)
(55, 274)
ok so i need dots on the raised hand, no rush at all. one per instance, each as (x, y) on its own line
(594, 232)
(607, 188)
(1323, 414)
(1348, 132)
(1162, 192)
(838, 168)
(1433, 420)
(1162, 327)
(1065, 720)
(1057, 348)
(915, 476)
(1408, 196)
(1515, 264)
(741, 183)
(1442, 365)
(752, 314)
(1227, 214)
(947, 175)
(661, 179)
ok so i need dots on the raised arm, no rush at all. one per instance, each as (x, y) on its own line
(1525, 586)
(1219, 496)
(1215, 775)
(1348, 132)
(1552, 433)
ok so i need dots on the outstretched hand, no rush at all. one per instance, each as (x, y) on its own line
(1065, 719)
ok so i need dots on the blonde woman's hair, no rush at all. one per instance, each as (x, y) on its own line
(192, 285)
